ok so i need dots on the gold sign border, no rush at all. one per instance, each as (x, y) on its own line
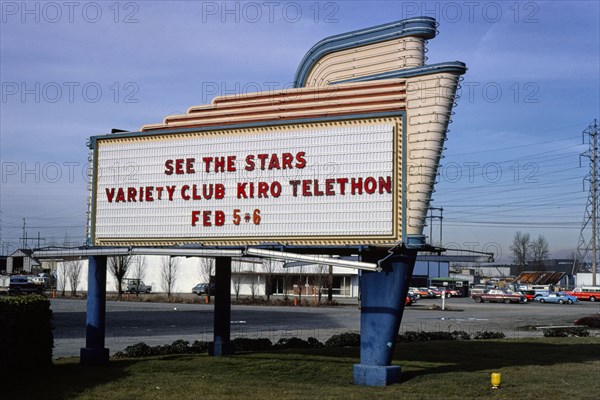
(284, 240)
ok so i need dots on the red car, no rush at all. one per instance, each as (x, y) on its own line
(410, 299)
(499, 296)
(424, 293)
(529, 294)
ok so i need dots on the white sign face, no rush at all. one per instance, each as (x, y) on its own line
(321, 184)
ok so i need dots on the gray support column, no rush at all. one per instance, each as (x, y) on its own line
(94, 352)
(383, 297)
(222, 342)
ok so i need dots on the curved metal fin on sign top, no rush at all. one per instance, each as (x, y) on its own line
(366, 41)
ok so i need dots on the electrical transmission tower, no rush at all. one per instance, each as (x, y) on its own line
(588, 249)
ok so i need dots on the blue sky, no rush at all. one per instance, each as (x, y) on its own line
(70, 71)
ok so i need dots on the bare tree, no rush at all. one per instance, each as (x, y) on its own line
(206, 269)
(253, 281)
(539, 252)
(521, 248)
(63, 274)
(330, 283)
(321, 273)
(168, 275)
(300, 282)
(73, 268)
(269, 269)
(237, 278)
(287, 280)
(118, 266)
(138, 268)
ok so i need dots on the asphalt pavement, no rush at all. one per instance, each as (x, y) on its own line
(128, 323)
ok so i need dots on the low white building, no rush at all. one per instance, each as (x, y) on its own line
(249, 276)
(586, 279)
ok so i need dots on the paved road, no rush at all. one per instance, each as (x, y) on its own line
(128, 323)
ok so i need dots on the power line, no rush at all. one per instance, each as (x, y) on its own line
(590, 247)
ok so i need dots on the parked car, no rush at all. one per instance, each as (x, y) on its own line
(449, 292)
(540, 293)
(499, 296)
(591, 293)
(138, 286)
(203, 288)
(529, 294)
(559, 297)
(411, 299)
(423, 293)
(20, 284)
(453, 293)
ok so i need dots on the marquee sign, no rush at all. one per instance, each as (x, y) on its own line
(347, 156)
(302, 184)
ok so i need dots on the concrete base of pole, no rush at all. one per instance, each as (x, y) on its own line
(93, 356)
(218, 349)
(376, 375)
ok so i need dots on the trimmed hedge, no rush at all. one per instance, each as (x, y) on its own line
(26, 336)
(347, 339)
(576, 331)
(422, 336)
(177, 347)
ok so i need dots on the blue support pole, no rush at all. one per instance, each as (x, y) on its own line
(222, 330)
(383, 297)
(94, 352)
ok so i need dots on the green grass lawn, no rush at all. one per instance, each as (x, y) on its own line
(548, 368)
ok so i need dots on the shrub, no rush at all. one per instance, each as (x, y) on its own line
(422, 336)
(314, 342)
(247, 344)
(565, 332)
(489, 335)
(460, 335)
(347, 339)
(26, 336)
(592, 321)
(179, 347)
(135, 351)
(199, 347)
(292, 343)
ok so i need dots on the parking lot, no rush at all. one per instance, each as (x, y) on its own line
(128, 323)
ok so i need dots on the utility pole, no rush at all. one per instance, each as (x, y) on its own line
(24, 235)
(590, 248)
(431, 218)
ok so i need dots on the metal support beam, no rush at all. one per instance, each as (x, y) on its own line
(94, 352)
(222, 315)
(382, 305)
(314, 259)
(125, 251)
